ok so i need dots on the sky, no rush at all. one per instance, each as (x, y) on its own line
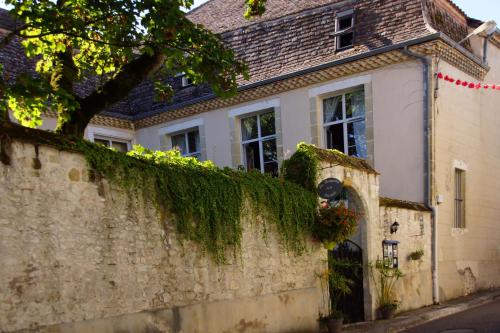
(479, 9)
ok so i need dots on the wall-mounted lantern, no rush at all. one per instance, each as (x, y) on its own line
(394, 227)
(390, 253)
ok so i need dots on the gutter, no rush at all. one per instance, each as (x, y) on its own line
(464, 51)
(398, 46)
(302, 72)
(428, 152)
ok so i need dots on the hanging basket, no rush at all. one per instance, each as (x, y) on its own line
(334, 225)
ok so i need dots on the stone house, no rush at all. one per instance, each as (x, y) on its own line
(361, 77)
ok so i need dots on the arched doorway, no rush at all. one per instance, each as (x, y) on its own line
(347, 259)
(352, 304)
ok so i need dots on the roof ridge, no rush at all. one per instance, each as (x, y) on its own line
(196, 8)
(278, 18)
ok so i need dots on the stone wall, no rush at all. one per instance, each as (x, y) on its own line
(414, 290)
(467, 127)
(83, 256)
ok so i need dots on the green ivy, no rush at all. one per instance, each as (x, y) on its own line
(302, 167)
(207, 203)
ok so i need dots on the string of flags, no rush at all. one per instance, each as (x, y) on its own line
(466, 84)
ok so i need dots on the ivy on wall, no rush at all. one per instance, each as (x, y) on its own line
(207, 202)
(302, 167)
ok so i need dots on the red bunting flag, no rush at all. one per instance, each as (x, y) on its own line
(470, 85)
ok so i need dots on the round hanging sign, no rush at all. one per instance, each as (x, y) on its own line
(330, 188)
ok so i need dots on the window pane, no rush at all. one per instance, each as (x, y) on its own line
(179, 143)
(345, 22)
(120, 146)
(335, 137)
(269, 147)
(332, 109)
(252, 155)
(271, 168)
(345, 40)
(102, 142)
(267, 125)
(459, 199)
(356, 139)
(270, 157)
(355, 104)
(249, 128)
(194, 142)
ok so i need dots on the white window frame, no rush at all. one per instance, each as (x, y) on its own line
(259, 138)
(166, 133)
(111, 139)
(185, 132)
(344, 120)
(185, 81)
(460, 188)
(339, 33)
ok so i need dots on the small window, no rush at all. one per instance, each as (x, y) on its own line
(344, 30)
(344, 123)
(459, 199)
(259, 143)
(186, 81)
(119, 145)
(188, 143)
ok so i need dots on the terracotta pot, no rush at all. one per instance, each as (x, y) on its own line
(334, 325)
(387, 312)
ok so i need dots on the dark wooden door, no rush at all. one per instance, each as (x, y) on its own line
(352, 305)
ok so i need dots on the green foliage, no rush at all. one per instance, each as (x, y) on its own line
(207, 203)
(302, 167)
(385, 277)
(334, 225)
(416, 255)
(335, 285)
(255, 8)
(75, 39)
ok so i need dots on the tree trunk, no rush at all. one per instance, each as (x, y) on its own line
(112, 92)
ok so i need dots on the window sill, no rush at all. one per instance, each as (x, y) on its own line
(456, 232)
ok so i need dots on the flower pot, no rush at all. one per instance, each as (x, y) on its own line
(334, 325)
(387, 312)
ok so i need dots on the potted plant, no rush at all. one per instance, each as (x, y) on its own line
(334, 224)
(416, 255)
(334, 285)
(386, 277)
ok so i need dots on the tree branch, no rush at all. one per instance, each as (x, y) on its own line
(10, 36)
(114, 90)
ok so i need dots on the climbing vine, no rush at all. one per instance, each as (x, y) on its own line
(302, 167)
(207, 202)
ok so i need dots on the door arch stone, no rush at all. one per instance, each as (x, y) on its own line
(362, 188)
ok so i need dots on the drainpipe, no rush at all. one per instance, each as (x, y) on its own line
(428, 168)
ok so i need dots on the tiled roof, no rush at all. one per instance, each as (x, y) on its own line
(336, 157)
(292, 35)
(304, 39)
(224, 15)
(397, 203)
(6, 20)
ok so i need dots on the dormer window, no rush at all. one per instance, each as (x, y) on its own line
(344, 30)
(186, 82)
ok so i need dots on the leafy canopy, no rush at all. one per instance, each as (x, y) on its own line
(116, 44)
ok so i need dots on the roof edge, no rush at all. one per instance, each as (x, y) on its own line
(398, 203)
(334, 63)
(336, 157)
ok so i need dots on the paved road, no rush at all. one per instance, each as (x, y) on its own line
(483, 319)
